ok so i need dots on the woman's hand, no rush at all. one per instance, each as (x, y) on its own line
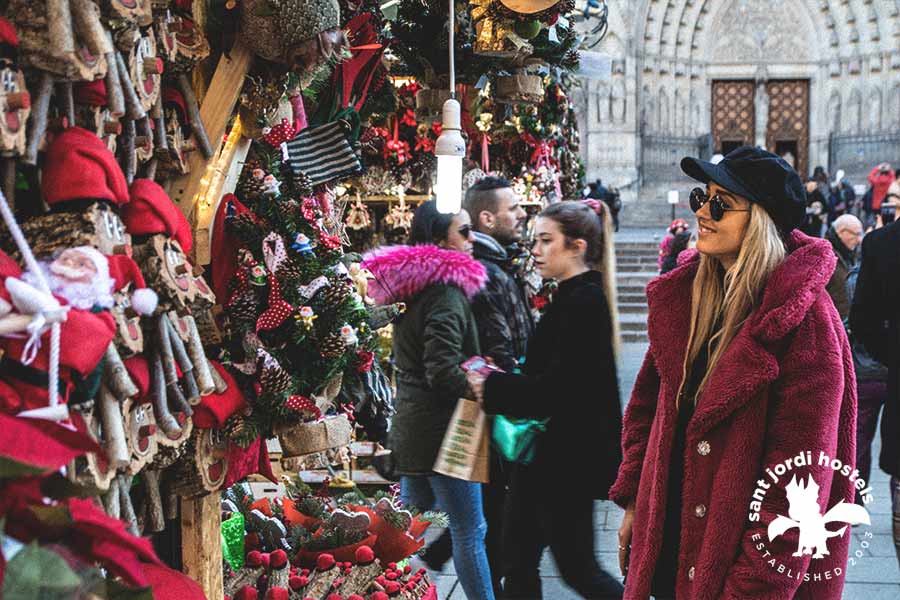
(625, 538)
(476, 382)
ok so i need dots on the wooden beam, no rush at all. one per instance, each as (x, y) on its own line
(201, 543)
(218, 106)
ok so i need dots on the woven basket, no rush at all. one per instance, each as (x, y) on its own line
(517, 89)
(307, 438)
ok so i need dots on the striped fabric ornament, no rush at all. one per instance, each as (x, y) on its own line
(322, 153)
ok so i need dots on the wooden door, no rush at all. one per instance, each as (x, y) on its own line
(733, 114)
(788, 124)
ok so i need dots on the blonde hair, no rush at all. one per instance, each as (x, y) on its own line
(728, 297)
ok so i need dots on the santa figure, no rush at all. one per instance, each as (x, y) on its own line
(81, 276)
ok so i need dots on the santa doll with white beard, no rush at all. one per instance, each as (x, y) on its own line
(81, 276)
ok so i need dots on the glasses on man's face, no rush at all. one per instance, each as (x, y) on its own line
(717, 205)
(465, 231)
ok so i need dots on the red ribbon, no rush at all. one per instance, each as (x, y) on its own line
(485, 152)
(542, 155)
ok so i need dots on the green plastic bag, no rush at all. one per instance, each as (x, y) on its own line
(516, 439)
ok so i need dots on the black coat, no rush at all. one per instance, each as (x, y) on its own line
(570, 376)
(501, 311)
(875, 322)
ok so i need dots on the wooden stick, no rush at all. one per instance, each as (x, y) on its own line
(111, 499)
(67, 101)
(115, 99)
(156, 521)
(128, 515)
(159, 119)
(9, 181)
(115, 375)
(220, 384)
(90, 29)
(39, 111)
(190, 100)
(129, 152)
(59, 28)
(168, 364)
(170, 504)
(164, 417)
(114, 443)
(133, 107)
(201, 546)
(198, 357)
(150, 169)
(181, 356)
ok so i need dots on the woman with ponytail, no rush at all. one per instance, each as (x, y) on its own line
(748, 368)
(569, 378)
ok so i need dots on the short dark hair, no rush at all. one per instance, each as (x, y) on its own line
(429, 226)
(480, 196)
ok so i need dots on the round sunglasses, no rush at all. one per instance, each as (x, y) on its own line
(717, 205)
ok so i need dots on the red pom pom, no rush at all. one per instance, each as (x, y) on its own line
(265, 558)
(355, 597)
(304, 572)
(295, 582)
(364, 555)
(392, 587)
(378, 596)
(278, 559)
(380, 580)
(407, 569)
(277, 593)
(324, 562)
(392, 565)
(246, 593)
(334, 597)
(254, 558)
(392, 575)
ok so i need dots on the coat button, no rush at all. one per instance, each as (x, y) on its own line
(691, 574)
(700, 511)
(703, 448)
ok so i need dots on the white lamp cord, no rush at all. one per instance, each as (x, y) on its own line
(452, 36)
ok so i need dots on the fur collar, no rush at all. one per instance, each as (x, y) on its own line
(750, 361)
(402, 272)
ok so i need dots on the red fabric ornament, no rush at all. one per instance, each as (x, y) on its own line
(278, 311)
(78, 166)
(329, 242)
(214, 409)
(169, 584)
(225, 245)
(92, 93)
(409, 118)
(172, 98)
(151, 211)
(8, 33)
(283, 132)
(40, 446)
(304, 405)
(310, 210)
(366, 360)
(247, 461)
(424, 144)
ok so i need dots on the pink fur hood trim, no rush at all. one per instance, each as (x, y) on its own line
(402, 272)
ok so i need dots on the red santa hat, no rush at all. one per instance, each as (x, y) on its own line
(151, 211)
(8, 33)
(124, 270)
(92, 93)
(79, 166)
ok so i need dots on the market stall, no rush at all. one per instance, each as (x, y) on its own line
(187, 188)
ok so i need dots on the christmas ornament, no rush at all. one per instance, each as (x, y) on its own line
(348, 335)
(302, 244)
(304, 405)
(309, 290)
(277, 312)
(306, 315)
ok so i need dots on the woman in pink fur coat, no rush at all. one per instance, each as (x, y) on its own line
(764, 377)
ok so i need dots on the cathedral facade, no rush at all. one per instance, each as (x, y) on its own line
(816, 81)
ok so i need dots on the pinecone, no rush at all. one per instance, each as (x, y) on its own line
(275, 380)
(332, 346)
(244, 307)
(248, 186)
(246, 228)
(335, 294)
(290, 270)
(571, 59)
(303, 183)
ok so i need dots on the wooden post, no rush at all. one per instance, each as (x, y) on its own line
(201, 543)
(215, 112)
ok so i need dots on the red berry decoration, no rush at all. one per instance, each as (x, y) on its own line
(246, 593)
(278, 559)
(407, 569)
(266, 559)
(254, 558)
(378, 596)
(392, 587)
(277, 593)
(392, 575)
(283, 132)
(296, 582)
(364, 555)
(324, 562)
(392, 566)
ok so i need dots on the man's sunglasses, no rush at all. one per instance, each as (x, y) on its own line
(717, 205)
(465, 230)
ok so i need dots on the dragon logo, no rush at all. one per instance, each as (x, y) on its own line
(804, 514)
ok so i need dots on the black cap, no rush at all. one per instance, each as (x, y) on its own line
(760, 177)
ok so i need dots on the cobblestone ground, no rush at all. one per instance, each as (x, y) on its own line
(875, 577)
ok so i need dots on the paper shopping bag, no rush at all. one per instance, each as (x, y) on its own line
(464, 451)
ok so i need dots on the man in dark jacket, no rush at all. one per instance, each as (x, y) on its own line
(845, 234)
(501, 312)
(875, 322)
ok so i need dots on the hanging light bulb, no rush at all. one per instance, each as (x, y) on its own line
(450, 149)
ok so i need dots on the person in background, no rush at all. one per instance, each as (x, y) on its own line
(815, 223)
(875, 323)
(665, 246)
(569, 377)
(437, 279)
(880, 178)
(609, 196)
(845, 234)
(748, 365)
(679, 245)
(843, 196)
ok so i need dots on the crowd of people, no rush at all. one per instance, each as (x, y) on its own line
(761, 340)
